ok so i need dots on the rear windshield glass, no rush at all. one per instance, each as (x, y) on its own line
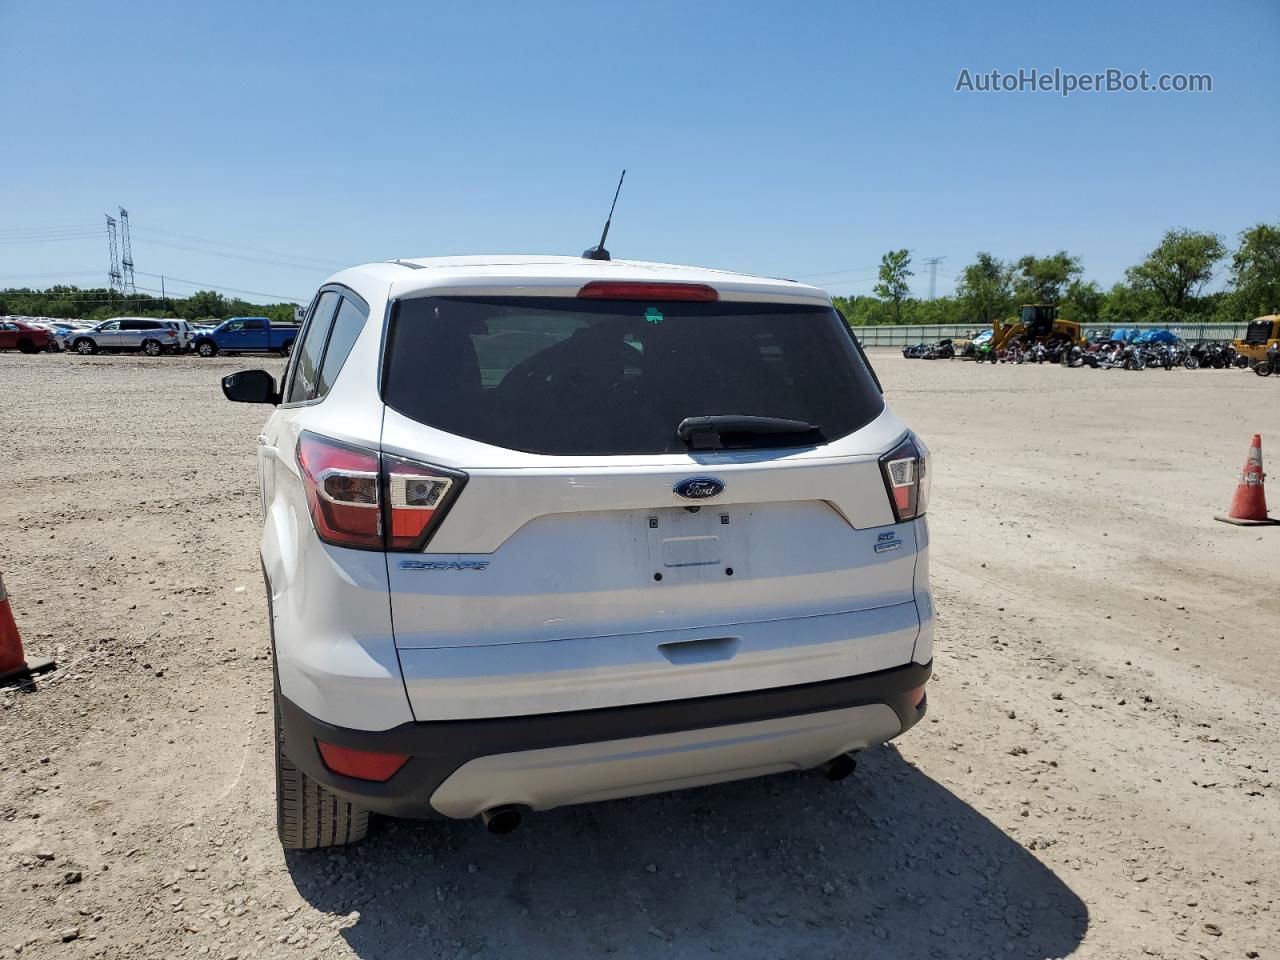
(567, 376)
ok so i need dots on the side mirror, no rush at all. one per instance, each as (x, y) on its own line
(250, 386)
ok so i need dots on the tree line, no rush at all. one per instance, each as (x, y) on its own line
(100, 303)
(1167, 287)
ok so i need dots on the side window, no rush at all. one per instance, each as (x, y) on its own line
(253, 324)
(346, 327)
(113, 325)
(306, 370)
(132, 325)
(233, 326)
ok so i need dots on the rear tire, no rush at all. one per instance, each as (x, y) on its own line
(26, 346)
(286, 349)
(152, 348)
(308, 816)
(1263, 369)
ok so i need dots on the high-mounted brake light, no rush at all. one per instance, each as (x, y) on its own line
(906, 477)
(342, 491)
(633, 290)
(360, 500)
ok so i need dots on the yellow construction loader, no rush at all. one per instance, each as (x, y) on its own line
(1261, 334)
(1035, 323)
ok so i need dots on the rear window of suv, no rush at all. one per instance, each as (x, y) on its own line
(573, 377)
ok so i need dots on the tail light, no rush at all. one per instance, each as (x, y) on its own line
(170, 333)
(906, 477)
(418, 496)
(358, 499)
(342, 491)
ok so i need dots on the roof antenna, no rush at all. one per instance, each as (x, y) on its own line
(598, 252)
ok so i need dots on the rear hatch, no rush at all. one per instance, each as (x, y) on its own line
(602, 544)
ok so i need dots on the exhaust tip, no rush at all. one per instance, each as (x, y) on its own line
(839, 767)
(502, 820)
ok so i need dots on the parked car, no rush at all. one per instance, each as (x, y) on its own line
(25, 337)
(540, 531)
(247, 335)
(152, 337)
(186, 338)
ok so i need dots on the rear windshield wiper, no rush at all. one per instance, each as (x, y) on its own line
(734, 431)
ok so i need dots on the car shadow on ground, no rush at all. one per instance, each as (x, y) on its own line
(886, 864)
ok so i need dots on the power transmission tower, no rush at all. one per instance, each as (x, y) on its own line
(114, 279)
(126, 259)
(932, 264)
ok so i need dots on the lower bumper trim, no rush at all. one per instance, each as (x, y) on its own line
(440, 748)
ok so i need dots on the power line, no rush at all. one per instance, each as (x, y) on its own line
(327, 264)
(51, 295)
(243, 257)
(213, 286)
(47, 228)
(95, 235)
(194, 244)
(832, 273)
(54, 273)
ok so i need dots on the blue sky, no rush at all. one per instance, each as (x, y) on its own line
(258, 146)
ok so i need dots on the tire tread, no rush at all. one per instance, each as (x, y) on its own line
(307, 815)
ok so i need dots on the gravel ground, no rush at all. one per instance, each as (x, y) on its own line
(1097, 776)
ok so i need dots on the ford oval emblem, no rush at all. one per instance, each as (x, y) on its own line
(699, 488)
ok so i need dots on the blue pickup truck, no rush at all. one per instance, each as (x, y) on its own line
(246, 335)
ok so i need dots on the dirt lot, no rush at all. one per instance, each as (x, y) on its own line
(1097, 777)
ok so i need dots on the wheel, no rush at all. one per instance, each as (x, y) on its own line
(1192, 362)
(286, 349)
(207, 348)
(85, 347)
(26, 346)
(152, 348)
(1262, 368)
(307, 815)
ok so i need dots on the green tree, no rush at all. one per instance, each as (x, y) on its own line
(1177, 270)
(863, 311)
(1255, 273)
(1083, 302)
(205, 304)
(1124, 304)
(99, 303)
(895, 268)
(986, 289)
(1045, 279)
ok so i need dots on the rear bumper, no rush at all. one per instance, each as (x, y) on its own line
(459, 767)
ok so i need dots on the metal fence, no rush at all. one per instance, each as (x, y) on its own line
(901, 336)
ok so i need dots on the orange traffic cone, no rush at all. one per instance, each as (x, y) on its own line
(13, 665)
(1249, 505)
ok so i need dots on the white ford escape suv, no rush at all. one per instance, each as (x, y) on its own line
(546, 530)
